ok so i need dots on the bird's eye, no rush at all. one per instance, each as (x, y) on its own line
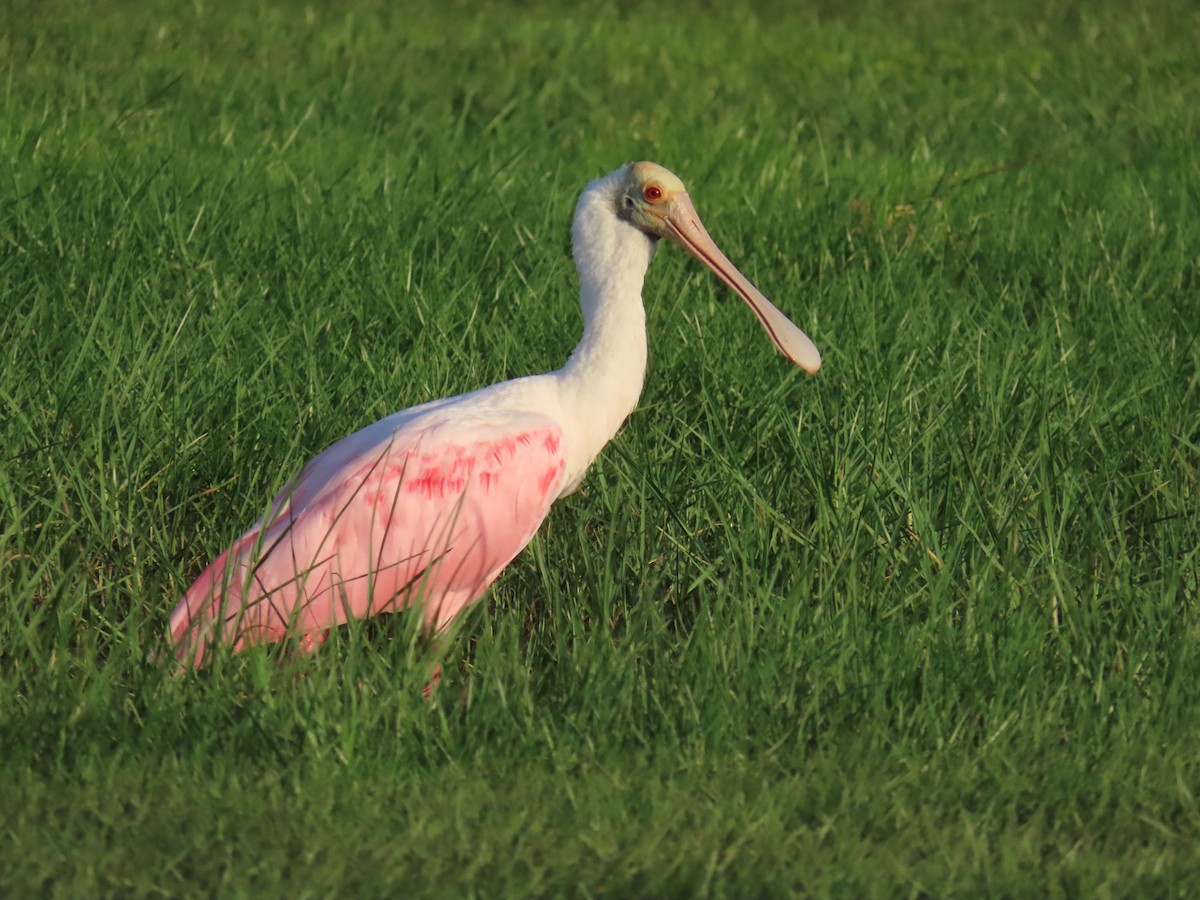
(653, 193)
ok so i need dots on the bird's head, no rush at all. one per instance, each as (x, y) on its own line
(655, 201)
(649, 196)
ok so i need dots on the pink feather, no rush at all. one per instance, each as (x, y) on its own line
(429, 511)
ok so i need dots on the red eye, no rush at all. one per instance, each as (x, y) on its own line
(653, 193)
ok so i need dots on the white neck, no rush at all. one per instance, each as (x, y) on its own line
(600, 384)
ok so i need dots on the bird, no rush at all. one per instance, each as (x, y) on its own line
(427, 506)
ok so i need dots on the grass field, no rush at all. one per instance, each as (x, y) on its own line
(925, 625)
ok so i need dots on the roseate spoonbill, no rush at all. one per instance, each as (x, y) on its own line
(428, 505)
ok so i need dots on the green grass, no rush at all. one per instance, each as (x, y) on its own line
(925, 625)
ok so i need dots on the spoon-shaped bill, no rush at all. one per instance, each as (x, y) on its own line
(684, 226)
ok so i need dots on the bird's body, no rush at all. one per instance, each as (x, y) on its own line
(428, 505)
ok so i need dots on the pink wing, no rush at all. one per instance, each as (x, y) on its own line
(424, 511)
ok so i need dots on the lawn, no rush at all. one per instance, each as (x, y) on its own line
(925, 625)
